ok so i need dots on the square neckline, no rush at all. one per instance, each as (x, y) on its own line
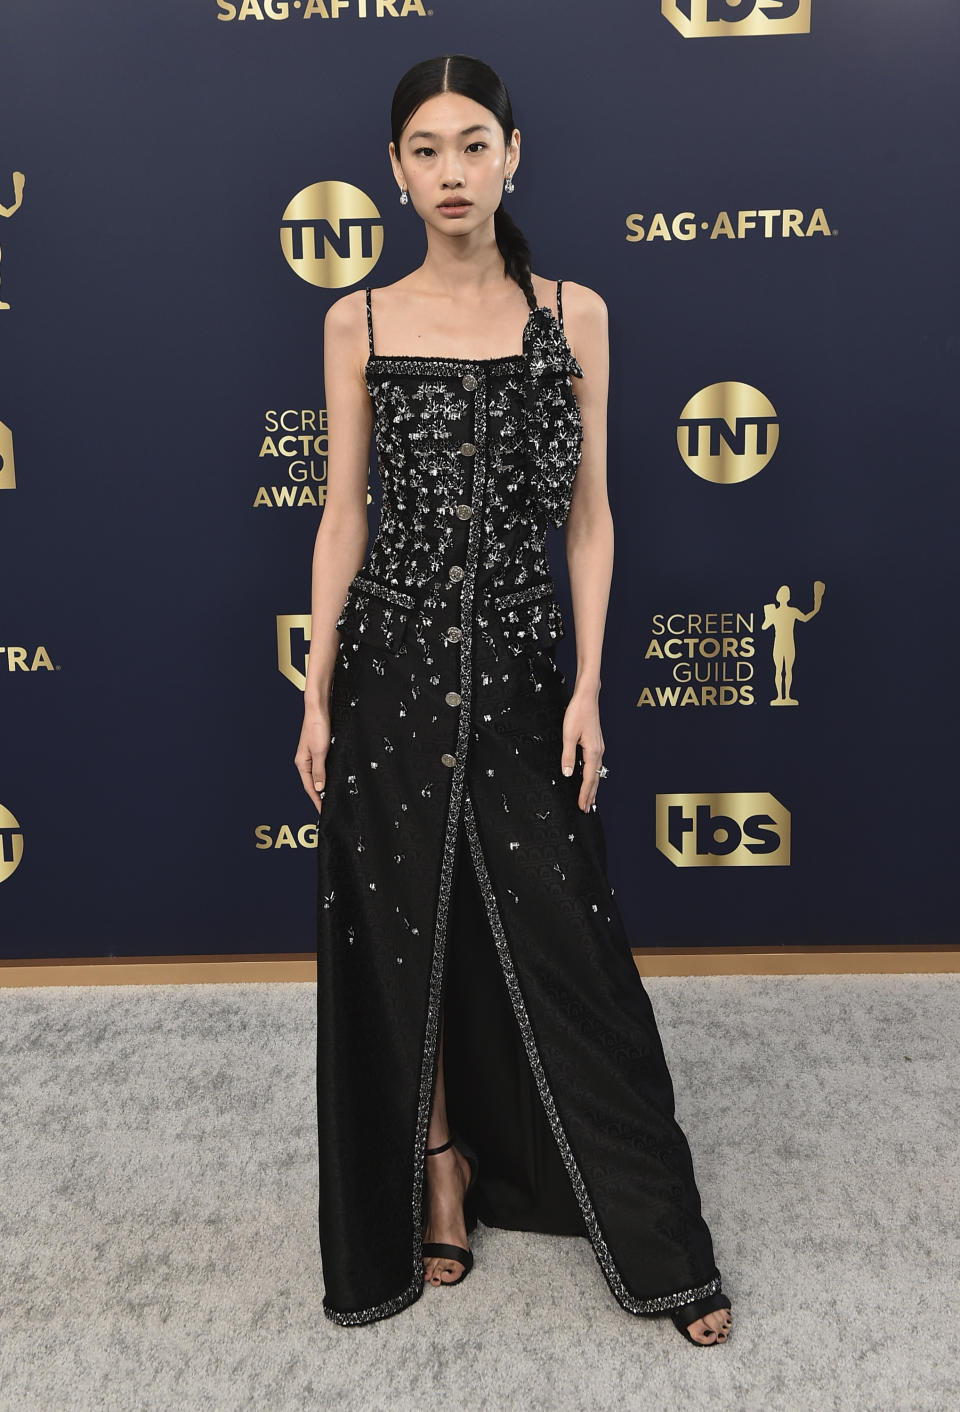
(373, 356)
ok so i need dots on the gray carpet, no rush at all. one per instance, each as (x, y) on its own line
(159, 1189)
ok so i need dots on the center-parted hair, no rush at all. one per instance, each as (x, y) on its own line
(472, 78)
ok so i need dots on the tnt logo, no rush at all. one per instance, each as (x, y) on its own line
(11, 844)
(293, 647)
(331, 234)
(727, 432)
(707, 19)
(723, 830)
(8, 475)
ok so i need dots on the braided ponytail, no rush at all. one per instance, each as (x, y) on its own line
(460, 73)
(513, 246)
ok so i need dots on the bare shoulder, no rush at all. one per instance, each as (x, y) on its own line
(584, 306)
(346, 316)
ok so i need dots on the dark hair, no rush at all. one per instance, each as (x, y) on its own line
(472, 78)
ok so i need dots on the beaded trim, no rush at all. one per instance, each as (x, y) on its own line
(413, 363)
(524, 595)
(600, 1248)
(384, 590)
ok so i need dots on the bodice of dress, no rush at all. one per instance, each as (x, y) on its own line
(475, 458)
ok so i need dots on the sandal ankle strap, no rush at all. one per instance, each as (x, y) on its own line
(432, 1151)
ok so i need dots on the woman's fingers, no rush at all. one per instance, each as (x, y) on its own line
(592, 756)
(312, 776)
(310, 760)
(591, 764)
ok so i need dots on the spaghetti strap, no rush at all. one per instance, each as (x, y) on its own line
(559, 305)
(369, 321)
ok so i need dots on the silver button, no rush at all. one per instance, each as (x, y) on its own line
(456, 572)
(464, 511)
(454, 634)
(468, 449)
(448, 759)
(469, 382)
(453, 698)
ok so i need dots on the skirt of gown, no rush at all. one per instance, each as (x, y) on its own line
(458, 875)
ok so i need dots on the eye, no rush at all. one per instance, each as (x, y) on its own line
(477, 146)
(418, 151)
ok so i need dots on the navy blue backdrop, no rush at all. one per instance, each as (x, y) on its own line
(156, 332)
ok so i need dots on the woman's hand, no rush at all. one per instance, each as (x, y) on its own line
(581, 726)
(311, 756)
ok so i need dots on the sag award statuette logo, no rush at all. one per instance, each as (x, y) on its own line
(18, 181)
(783, 618)
(8, 476)
(727, 432)
(331, 234)
(11, 844)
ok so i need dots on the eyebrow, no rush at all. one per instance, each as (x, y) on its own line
(477, 127)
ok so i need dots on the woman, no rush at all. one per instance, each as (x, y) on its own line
(486, 1048)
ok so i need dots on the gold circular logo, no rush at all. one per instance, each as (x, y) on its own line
(331, 234)
(727, 432)
(11, 844)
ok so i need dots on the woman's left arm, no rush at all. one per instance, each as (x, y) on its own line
(589, 533)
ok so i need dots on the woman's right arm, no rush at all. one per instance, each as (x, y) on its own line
(341, 542)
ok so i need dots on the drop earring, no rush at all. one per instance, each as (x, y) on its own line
(404, 198)
(508, 183)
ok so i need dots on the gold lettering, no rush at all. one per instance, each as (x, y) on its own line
(819, 224)
(262, 835)
(634, 223)
(250, 8)
(315, 7)
(791, 222)
(745, 221)
(722, 226)
(767, 218)
(654, 650)
(659, 229)
(684, 226)
(227, 11)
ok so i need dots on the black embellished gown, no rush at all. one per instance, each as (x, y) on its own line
(458, 876)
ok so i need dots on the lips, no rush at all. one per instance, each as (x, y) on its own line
(457, 202)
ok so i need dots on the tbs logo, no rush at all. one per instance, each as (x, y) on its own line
(723, 830)
(706, 19)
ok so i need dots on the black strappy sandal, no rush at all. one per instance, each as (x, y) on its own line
(440, 1249)
(688, 1313)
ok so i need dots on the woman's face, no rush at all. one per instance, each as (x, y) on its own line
(452, 160)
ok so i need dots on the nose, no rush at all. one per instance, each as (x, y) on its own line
(452, 173)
